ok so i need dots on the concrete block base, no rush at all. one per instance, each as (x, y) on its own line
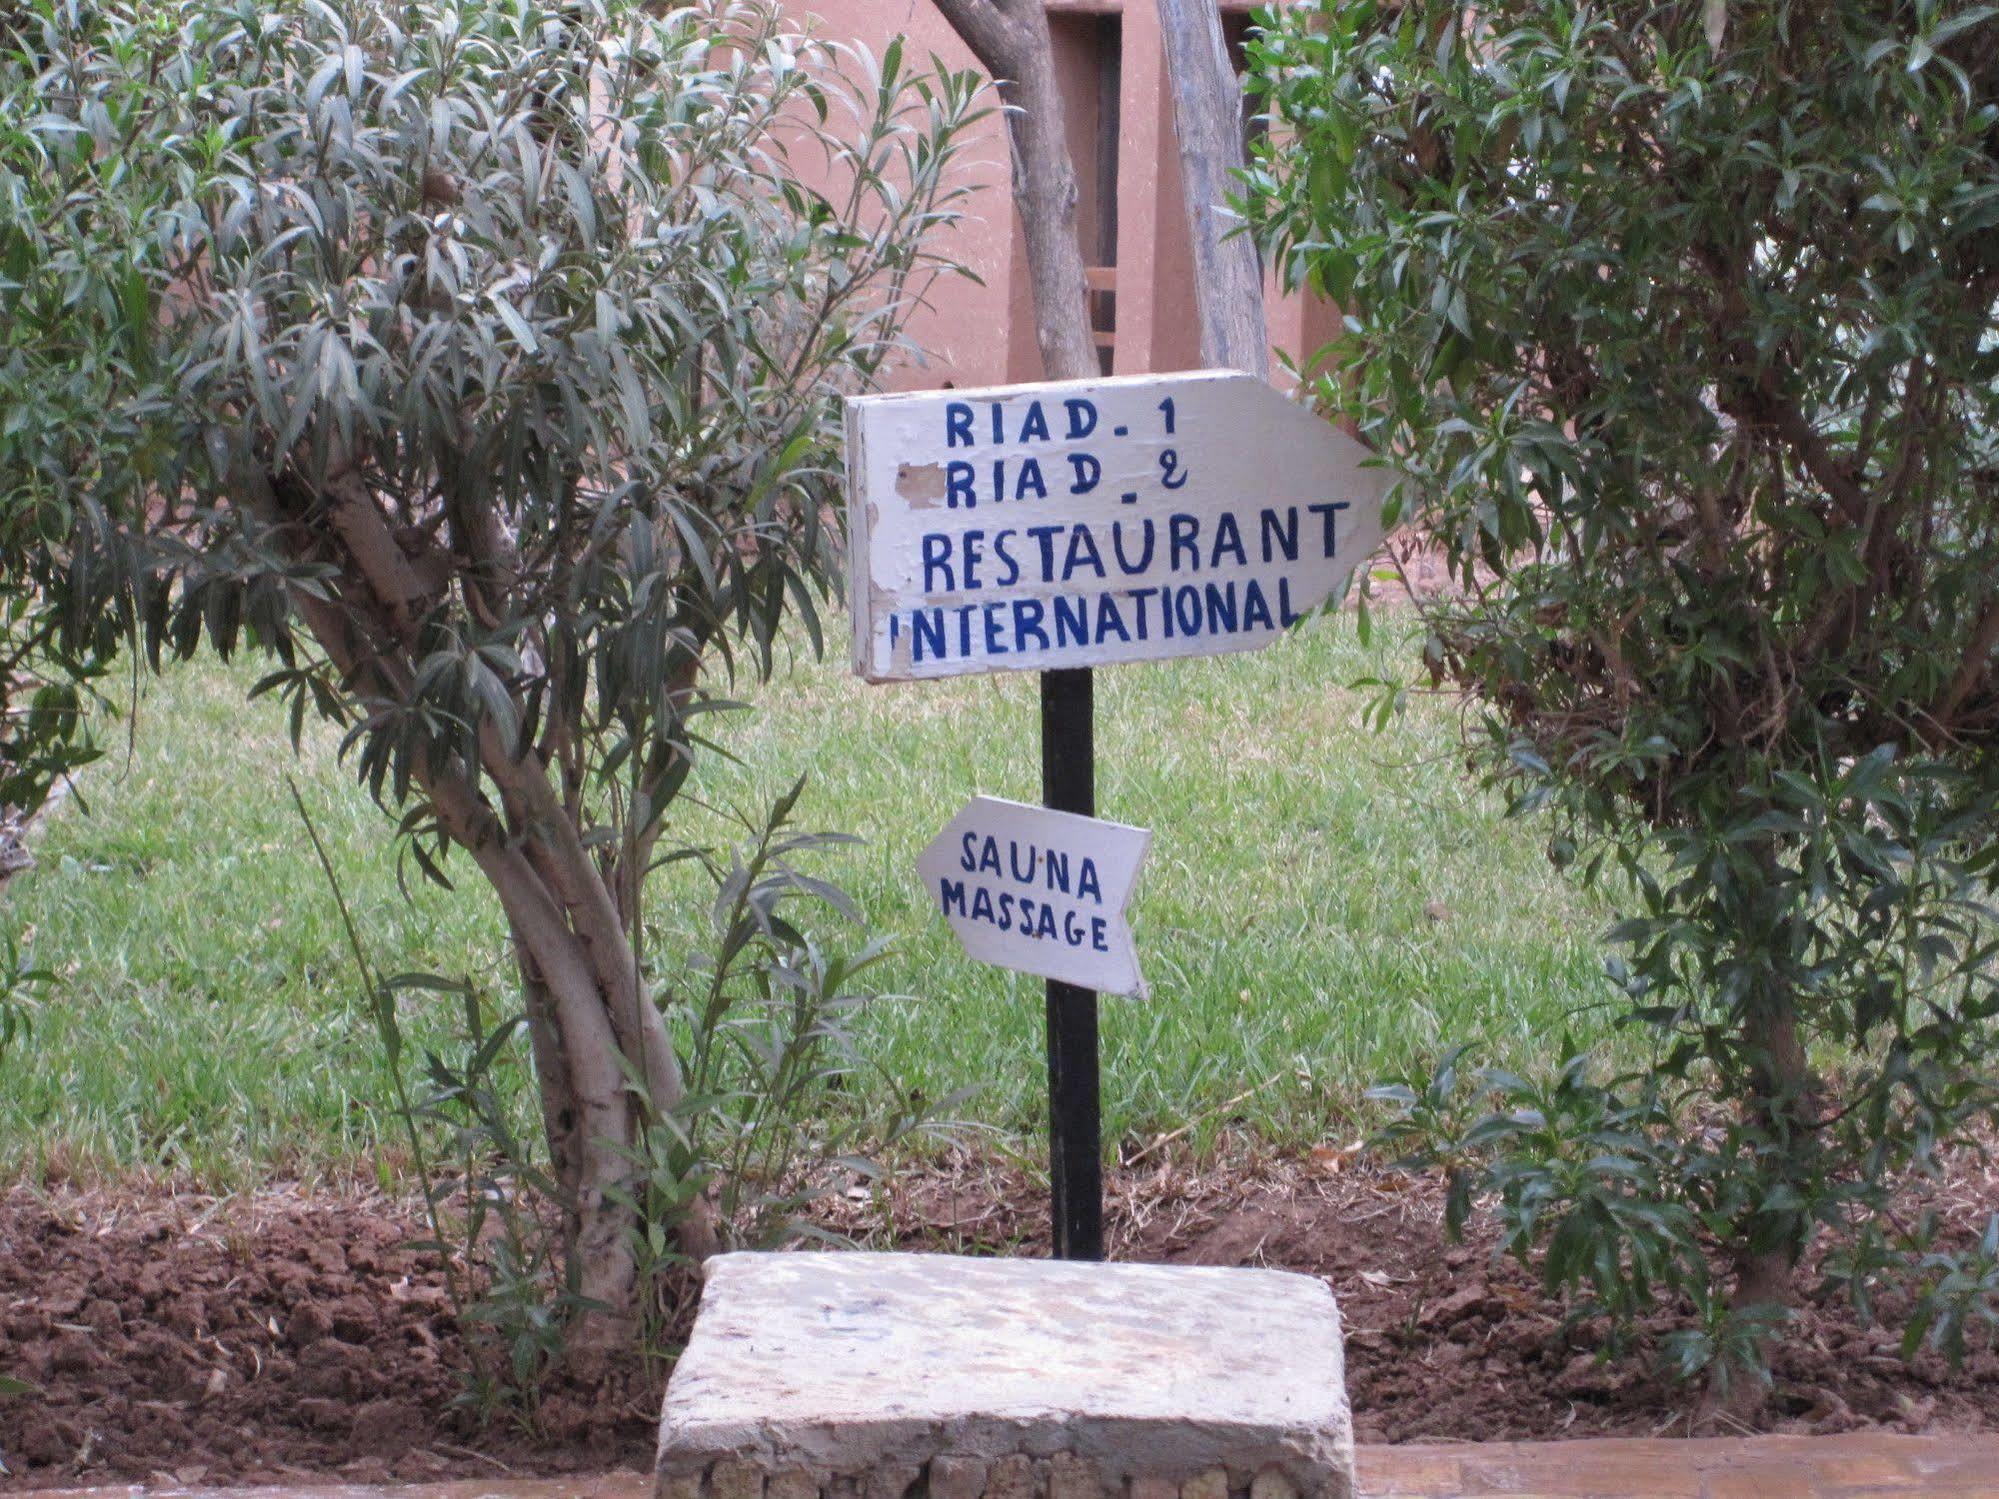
(893, 1376)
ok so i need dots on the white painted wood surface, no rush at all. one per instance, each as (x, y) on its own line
(1078, 523)
(1040, 892)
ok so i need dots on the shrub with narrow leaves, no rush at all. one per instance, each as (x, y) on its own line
(1681, 325)
(479, 360)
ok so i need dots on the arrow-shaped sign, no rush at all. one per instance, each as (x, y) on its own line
(1040, 892)
(1036, 527)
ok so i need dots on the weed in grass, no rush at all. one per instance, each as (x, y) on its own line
(513, 1327)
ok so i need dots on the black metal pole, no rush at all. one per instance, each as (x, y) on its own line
(1075, 1169)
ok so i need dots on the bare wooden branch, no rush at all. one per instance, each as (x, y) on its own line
(1207, 119)
(1010, 39)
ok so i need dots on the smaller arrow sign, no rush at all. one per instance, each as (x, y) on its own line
(1040, 892)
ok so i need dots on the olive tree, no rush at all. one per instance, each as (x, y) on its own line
(480, 360)
(1680, 322)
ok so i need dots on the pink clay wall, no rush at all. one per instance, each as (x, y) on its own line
(984, 335)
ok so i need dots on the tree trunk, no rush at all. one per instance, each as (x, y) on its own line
(598, 1225)
(593, 1034)
(594, 1030)
(1783, 1106)
(1010, 39)
(1207, 120)
(551, 1071)
(581, 1055)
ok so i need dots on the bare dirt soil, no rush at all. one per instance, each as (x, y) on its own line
(283, 1335)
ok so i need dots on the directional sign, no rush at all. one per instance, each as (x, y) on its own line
(1035, 527)
(1040, 892)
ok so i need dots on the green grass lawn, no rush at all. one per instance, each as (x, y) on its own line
(1323, 905)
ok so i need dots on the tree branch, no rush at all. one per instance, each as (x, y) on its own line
(1013, 45)
(983, 27)
(1207, 119)
(1976, 665)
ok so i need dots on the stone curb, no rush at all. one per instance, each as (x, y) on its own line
(1019, 1476)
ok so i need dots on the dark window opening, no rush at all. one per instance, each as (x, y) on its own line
(1089, 60)
(1236, 29)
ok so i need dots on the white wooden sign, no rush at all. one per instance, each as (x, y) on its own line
(1032, 527)
(1040, 892)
